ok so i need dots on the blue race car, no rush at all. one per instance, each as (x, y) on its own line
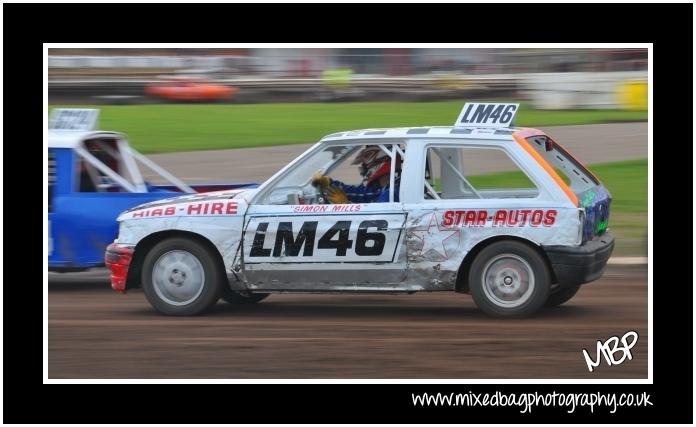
(93, 176)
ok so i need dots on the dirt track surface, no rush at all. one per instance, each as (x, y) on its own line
(94, 332)
(590, 144)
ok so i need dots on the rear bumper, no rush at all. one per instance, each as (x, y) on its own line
(118, 259)
(575, 265)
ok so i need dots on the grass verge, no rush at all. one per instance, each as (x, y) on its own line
(168, 128)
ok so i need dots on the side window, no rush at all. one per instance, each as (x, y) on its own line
(347, 170)
(296, 188)
(474, 173)
(90, 178)
(341, 174)
(106, 151)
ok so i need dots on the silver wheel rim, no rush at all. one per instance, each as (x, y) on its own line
(508, 280)
(178, 277)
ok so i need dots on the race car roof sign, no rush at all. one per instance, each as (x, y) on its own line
(487, 115)
(73, 119)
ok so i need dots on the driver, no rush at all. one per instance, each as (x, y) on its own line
(375, 167)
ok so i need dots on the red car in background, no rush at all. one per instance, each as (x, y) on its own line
(190, 89)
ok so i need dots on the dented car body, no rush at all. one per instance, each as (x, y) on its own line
(517, 240)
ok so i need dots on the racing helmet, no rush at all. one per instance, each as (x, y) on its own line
(374, 163)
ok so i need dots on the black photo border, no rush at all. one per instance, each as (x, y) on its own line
(28, 26)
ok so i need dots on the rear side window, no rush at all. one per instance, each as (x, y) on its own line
(458, 172)
(573, 173)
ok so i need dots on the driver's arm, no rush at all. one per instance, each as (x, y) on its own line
(354, 193)
(357, 193)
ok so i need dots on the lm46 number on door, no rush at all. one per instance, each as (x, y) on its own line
(322, 239)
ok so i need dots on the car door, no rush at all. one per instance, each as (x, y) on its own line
(292, 241)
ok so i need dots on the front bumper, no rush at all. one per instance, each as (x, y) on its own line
(575, 265)
(118, 259)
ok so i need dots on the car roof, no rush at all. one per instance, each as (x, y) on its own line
(451, 132)
(72, 139)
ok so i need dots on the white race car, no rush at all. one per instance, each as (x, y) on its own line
(505, 214)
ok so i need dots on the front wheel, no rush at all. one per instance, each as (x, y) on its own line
(561, 295)
(509, 279)
(180, 277)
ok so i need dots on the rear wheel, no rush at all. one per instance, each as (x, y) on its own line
(181, 277)
(234, 297)
(561, 295)
(509, 279)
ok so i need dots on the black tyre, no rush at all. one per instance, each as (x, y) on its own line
(181, 277)
(561, 295)
(509, 279)
(234, 297)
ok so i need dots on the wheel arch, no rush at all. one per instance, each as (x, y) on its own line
(145, 244)
(462, 284)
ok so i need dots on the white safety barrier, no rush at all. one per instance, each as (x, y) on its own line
(585, 90)
(136, 61)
